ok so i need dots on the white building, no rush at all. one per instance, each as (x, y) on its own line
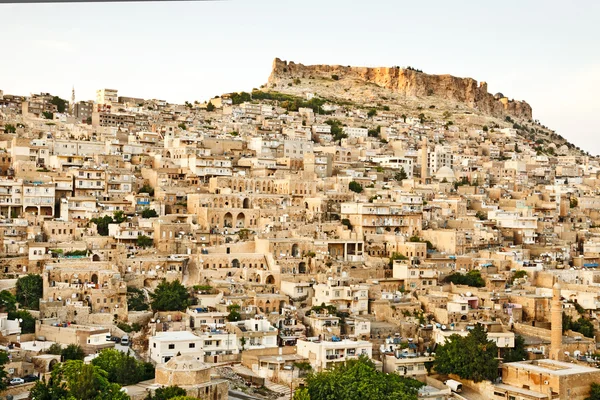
(353, 132)
(166, 345)
(106, 96)
(325, 354)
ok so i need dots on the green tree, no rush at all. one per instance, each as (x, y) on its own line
(7, 301)
(471, 357)
(10, 128)
(136, 301)
(518, 275)
(3, 375)
(182, 126)
(358, 380)
(102, 224)
(72, 352)
(573, 202)
(122, 368)
(149, 213)
(336, 129)
(29, 291)
(355, 187)
(170, 296)
(335, 77)
(28, 323)
(581, 325)
(144, 241)
(166, 393)
(234, 313)
(210, 107)
(48, 115)
(346, 222)
(371, 113)
(61, 104)
(119, 216)
(401, 175)
(517, 353)
(472, 278)
(301, 394)
(146, 188)
(594, 392)
(55, 348)
(74, 380)
(52, 389)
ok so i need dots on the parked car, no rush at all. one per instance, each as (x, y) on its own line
(31, 378)
(125, 340)
(116, 339)
(17, 381)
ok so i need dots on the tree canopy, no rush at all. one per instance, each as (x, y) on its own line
(581, 325)
(471, 278)
(517, 353)
(72, 352)
(149, 213)
(29, 291)
(144, 241)
(357, 380)
(166, 393)
(170, 296)
(594, 392)
(75, 380)
(136, 300)
(471, 357)
(355, 187)
(122, 368)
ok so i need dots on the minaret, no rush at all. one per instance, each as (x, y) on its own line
(424, 161)
(73, 100)
(556, 324)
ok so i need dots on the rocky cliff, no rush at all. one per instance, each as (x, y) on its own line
(410, 83)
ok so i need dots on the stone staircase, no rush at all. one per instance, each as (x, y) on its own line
(282, 390)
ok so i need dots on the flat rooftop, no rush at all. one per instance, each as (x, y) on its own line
(552, 367)
(174, 336)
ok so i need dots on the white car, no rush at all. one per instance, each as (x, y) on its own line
(17, 381)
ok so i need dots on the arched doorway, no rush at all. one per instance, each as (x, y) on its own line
(302, 268)
(246, 203)
(240, 220)
(95, 257)
(295, 250)
(228, 220)
(235, 263)
(95, 279)
(270, 280)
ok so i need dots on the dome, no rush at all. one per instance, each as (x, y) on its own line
(182, 371)
(445, 173)
(498, 96)
(185, 363)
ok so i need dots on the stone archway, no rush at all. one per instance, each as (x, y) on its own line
(270, 280)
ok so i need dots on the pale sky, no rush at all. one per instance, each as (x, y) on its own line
(544, 52)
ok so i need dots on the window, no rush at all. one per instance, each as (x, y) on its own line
(192, 345)
(171, 346)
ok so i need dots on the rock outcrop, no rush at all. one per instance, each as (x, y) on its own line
(410, 83)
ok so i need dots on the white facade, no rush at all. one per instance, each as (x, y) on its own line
(325, 354)
(166, 345)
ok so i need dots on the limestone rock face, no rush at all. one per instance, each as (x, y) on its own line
(410, 83)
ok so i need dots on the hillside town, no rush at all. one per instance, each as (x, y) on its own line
(239, 247)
